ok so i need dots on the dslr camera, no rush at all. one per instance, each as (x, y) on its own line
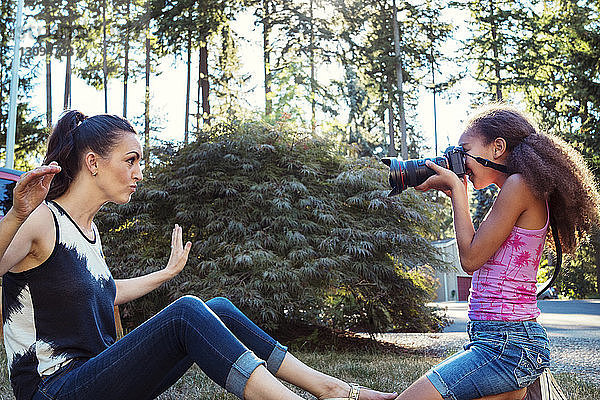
(412, 173)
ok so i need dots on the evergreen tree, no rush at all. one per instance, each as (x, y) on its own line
(29, 129)
(368, 47)
(130, 25)
(227, 79)
(500, 29)
(193, 21)
(285, 228)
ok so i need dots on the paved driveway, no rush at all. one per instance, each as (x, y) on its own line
(561, 318)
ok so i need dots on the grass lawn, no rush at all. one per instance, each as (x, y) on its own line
(380, 369)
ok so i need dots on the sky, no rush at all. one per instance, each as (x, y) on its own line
(168, 90)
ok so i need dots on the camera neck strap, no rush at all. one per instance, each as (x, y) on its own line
(558, 248)
(490, 164)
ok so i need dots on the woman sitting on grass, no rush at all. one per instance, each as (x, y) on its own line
(544, 179)
(58, 294)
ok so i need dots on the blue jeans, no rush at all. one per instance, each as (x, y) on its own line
(501, 357)
(224, 343)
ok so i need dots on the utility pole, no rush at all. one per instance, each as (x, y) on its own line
(434, 91)
(404, 146)
(14, 88)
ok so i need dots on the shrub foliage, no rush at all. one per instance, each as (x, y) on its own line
(288, 230)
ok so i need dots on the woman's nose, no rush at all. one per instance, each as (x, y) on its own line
(138, 175)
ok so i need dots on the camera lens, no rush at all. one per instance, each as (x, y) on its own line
(410, 173)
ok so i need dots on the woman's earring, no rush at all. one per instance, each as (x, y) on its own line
(94, 173)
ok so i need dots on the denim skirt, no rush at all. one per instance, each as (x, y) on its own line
(500, 357)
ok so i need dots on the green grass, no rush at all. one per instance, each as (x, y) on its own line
(382, 370)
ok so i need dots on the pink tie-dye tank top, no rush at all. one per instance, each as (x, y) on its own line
(503, 289)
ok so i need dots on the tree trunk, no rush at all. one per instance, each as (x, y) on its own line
(126, 66)
(399, 78)
(48, 75)
(104, 66)
(495, 51)
(392, 149)
(67, 96)
(313, 118)
(187, 88)
(147, 92)
(267, 57)
(199, 94)
(204, 83)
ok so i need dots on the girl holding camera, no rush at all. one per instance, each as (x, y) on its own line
(58, 294)
(547, 180)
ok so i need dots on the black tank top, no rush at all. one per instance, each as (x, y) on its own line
(60, 310)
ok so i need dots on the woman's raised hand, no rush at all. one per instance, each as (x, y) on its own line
(179, 253)
(32, 188)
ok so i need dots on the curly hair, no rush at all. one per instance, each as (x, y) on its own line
(551, 167)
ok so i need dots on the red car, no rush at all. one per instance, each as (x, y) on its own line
(8, 179)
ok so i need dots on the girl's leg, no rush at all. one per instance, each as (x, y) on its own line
(144, 362)
(423, 389)
(279, 362)
(514, 395)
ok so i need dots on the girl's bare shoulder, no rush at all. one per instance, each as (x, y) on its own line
(516, 186)
(516, 191)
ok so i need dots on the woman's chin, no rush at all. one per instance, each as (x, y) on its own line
(123, 200)
(480, 185)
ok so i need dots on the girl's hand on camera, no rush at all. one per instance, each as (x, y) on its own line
(443, 180)
(31, 189)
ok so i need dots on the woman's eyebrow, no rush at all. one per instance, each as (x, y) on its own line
(133, 152)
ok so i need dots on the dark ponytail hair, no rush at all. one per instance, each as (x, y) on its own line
(73, 135)
(552, 168)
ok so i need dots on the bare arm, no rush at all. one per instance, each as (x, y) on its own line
(133, 288)
(28, 194)
(476, 247)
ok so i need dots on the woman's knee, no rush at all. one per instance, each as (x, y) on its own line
(187, 301)
(221, 306)
(218, 306)
(187, 304)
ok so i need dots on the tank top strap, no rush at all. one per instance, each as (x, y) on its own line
(547, 215)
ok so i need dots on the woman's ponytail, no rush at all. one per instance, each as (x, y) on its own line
(74, 134)
(61, 147)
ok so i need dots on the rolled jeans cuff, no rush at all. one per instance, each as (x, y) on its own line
(240, 372)
(439, 384)
(276, 358)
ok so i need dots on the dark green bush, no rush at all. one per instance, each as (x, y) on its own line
(284, 227)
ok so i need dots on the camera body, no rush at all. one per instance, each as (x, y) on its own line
(410, 173)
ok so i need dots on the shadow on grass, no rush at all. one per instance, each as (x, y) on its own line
(382, 366)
